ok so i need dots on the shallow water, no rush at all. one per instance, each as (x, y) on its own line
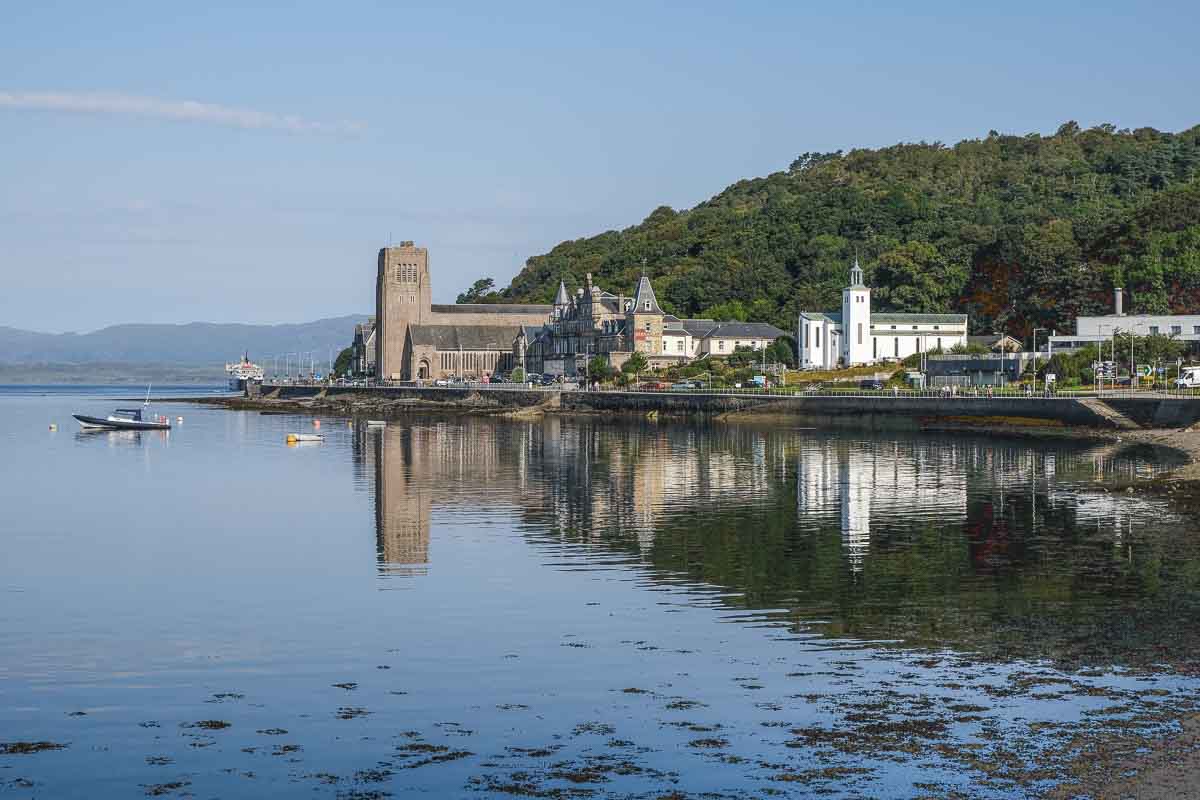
(572, 607)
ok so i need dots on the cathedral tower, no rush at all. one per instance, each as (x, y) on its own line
(402, 298)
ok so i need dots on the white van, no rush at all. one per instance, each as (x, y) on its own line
(1189, 378)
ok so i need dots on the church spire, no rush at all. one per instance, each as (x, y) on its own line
(561, 298)
(856, 275)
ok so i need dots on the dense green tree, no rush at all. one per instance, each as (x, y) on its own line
(599, 369)
(343, 365)
(1021, 232)
(482, 291)
(637, 363)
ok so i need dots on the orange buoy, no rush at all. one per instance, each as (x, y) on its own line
(316, 423)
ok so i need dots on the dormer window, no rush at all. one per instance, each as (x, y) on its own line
(647, 305)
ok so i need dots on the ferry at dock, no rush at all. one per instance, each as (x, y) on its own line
(242, 373)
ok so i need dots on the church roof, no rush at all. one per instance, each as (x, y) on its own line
(465, 337)
(491, 308)
(919, 319)
(645, 292)
(832, 316)
(562, 298)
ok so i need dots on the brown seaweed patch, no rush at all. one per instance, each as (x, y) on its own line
(26, 748)
(208, 725)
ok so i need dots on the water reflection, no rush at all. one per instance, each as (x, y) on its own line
(943, 541)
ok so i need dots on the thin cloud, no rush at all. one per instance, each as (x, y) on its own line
(177, 110)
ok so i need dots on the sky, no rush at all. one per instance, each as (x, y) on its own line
(166, 162)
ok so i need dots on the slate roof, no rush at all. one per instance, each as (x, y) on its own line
(562, 298)
(832, 316)
(645, 292)
(993, 340)
(745, 330)
(465, 337)
(491, 308)
(532, 332)
(919, 319)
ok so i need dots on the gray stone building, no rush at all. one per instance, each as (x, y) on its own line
(403, 300)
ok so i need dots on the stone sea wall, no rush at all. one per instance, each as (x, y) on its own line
(864, 411)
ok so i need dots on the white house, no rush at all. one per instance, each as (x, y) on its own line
(830, 339)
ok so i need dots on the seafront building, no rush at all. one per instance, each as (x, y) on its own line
(1097, 329)
(597, 322)
(414, 339)
(855, 335)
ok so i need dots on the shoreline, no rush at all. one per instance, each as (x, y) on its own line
(1181, 483)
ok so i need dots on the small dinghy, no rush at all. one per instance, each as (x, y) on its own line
(376, 423)
(293, 438)
(123, 419)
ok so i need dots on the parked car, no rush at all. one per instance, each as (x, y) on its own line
(653, 386)
(441, 382)
(870, 385)
(681, 386)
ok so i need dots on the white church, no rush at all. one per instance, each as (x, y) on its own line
(828, 340)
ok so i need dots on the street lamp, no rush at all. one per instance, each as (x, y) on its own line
(1035, 353)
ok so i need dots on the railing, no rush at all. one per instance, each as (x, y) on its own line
(947, 393)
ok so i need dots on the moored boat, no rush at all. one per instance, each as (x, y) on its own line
(123, 419)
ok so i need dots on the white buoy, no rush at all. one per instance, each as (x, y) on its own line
(179, 420)
(53, 427)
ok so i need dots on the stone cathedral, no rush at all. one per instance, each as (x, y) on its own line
(416, 339)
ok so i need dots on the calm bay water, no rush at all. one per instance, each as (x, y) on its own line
(571, 607)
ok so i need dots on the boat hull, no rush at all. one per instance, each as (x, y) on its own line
(100, 423)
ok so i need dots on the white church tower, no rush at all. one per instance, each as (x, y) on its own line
(857, 346)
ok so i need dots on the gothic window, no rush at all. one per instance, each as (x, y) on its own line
(896, 345)
(860, 333)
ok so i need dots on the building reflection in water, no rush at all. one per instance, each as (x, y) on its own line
(618, 484)
(881, 483)
(413, 468)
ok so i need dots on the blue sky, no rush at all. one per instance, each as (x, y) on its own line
(171, 163)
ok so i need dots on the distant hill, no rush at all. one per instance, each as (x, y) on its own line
(195, 344)
(1021, 232)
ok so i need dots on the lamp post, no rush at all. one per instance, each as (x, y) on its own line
(1035, 353)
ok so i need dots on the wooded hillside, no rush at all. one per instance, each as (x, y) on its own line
(1018, 231)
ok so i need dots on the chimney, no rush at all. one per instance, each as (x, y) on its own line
(1118, 306)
